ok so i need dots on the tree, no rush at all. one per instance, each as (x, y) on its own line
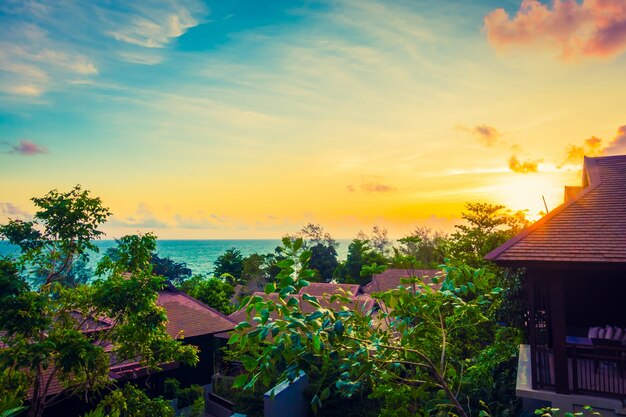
(175, 272)
(212, 291)
(231, 263)
(431, 344)
(487, 227)
(62, 231)
(323, 251)
(324, 262)
(422, 249)
(360, 254)
(59, 332)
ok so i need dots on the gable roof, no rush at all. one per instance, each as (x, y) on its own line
(392, 279)
(588, 228)
(192, 317)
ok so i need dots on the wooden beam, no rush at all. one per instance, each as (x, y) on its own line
(557, 308)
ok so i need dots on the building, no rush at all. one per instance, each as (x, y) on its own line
(575, 263)
(189, 320)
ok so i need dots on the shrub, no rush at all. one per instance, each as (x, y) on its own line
(171, 388)
(187, 396)
(197, 408)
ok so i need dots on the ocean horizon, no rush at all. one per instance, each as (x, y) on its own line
(199, 254)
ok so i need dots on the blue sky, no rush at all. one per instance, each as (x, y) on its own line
(248, 119)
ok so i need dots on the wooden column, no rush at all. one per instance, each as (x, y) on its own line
(557, 307)
(529, 281)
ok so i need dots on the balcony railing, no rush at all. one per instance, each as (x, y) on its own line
(598, 369)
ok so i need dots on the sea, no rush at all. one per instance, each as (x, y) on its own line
(199, 255)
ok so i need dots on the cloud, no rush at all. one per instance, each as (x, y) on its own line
(591, 28)
(9, 210)
(576, 153)
(46, 46)
(153, 25)
(375, 187)
(525, 167)
(595, 146)
(370, 184)
(26, 147)
(142, 218)
(487, 135)
(618, 145)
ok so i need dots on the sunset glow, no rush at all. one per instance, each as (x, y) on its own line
(242, 119)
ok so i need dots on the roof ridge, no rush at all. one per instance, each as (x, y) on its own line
(591, 175)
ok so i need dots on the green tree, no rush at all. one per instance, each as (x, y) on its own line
(486, 227)
(48, 332)
(360, 254)
(433, 342)
(230, 263)
(324, 262)
(130, 401)
(62, 231)
(175, 272)
(211, 291)
(422, 249)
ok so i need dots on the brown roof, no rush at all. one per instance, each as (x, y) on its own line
(589, 228)
(392, 278)
(361, 302)
(318, 289)
(192, 317)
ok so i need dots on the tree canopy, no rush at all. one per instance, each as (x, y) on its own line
(75, 333)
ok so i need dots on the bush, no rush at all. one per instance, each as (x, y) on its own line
(171, 388)
(187, 396)
(197, 408)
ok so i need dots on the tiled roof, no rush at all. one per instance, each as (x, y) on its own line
(589, 228)
(320, 288)
(392, 278)
(192, 317)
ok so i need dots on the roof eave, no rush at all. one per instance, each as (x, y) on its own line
(591, 177)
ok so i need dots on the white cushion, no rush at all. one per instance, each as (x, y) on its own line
(601, 333)
(618, 333)
(609, 333)
(593, 332)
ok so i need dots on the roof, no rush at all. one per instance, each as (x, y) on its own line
(319, 289)
(589, 228)
(392, 278)
(192, 317)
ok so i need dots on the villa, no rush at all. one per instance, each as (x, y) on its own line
(575, 279)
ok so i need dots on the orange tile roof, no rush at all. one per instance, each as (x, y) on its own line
(192, 317)
(589, 228)
(320, 288)
(392, 278)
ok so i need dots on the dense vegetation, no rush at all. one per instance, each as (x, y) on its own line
(427, 352)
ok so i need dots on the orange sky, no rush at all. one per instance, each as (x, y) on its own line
(249, 122)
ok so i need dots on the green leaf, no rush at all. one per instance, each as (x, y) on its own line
(270, 288)
(243, 325)
(240, 381)
(316, 403)
(325, 394)
(249, 363)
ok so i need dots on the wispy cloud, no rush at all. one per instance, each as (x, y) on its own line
(617, 145)
(595, 146)
(25, 147)
(9, 210)
(143, 218)
(591, 28)
(523, 167)
(152, 25)
(485, 134)
(50, 45)
(371, 184)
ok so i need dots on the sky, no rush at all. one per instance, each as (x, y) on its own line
(248, 119)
